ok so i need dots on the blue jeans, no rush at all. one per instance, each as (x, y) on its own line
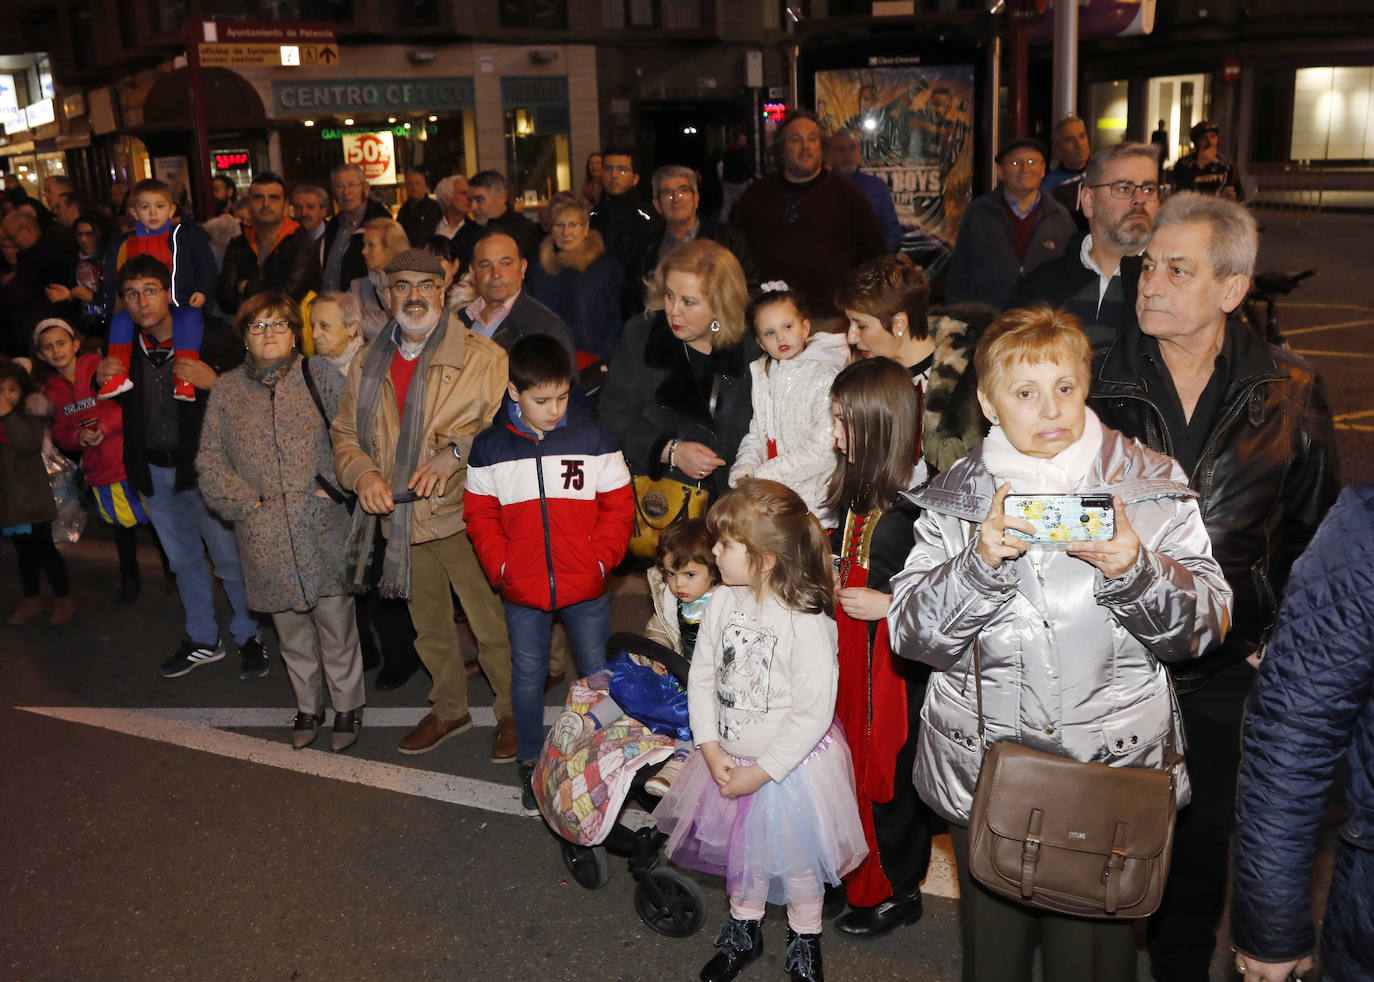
(183, 523)
(589, 628)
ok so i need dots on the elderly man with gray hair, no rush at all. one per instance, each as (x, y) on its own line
(1250, 426)
(457, 225)
(491, 209)
(341, 248)
(677, 193)
(411, 406)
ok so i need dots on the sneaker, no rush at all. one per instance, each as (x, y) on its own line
(568, 729)
(527, 800)
(183, 390)
(659, 784)
(252, 659)
(116, 385)
(191, 654)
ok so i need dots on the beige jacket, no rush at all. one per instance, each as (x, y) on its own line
(463, 389)
(663, 627)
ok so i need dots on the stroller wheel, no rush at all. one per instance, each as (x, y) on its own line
(587, 864)
(670, 903)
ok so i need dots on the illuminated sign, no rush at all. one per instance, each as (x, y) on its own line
(407, 129)
(774, 111)
(375, 153)
(395, 95)
(228, 161)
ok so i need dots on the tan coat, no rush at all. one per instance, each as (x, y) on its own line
(463, 389)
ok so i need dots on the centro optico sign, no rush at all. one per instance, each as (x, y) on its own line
(361, 95)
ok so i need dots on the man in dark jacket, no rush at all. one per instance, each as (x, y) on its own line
(503, 310)
(419, 214)
(341, 249)
(161, 438)
(40, 259)
(1313, 705)
(1248, 422)
(490, 197)
(676, 197)
(806, 225)
(625, 227)
(1009, 231)
(273, 255)
(1095, 279)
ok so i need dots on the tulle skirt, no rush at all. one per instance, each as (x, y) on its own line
(782, 843)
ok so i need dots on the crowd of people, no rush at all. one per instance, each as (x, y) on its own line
(361, 418)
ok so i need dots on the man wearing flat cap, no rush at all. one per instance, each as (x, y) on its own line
(411, 407)
(1009, 231)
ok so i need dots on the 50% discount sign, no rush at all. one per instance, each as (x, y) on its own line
(375, 153)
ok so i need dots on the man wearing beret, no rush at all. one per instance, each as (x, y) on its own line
(411, 407)
(1009, 231)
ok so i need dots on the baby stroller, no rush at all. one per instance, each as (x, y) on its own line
(583, 793)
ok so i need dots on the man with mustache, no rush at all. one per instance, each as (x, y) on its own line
(1250, 426)
(411, 407)
(1095, 279)
(807, 225)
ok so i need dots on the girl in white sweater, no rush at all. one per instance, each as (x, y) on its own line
(768, 798)
(789, 437)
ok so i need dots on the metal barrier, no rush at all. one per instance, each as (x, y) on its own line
(1290, 187)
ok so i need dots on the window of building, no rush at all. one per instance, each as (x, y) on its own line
(534, 13)
(1333, 114)
(537, 132)
(1180, 101)
(1108, 110)
(664, 14)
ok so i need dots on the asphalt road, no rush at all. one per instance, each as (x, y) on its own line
(161, 829)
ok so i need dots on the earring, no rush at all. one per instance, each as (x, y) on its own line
(715, 327)
(994, 420)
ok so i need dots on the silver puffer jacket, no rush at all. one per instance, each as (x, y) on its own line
(1071, 661)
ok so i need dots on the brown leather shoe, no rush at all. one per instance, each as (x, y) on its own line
(432, 731)
(505, 744)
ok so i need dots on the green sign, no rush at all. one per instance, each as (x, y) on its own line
(339, 132)
(335, 96)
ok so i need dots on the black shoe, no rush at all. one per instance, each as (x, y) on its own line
(874, 922)
(252, 659)
(393, 676)
(128, 590)
(740, 942)
(803, 960)
(527, 798)
(346, 727)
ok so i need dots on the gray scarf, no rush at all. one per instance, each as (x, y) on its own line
(395, 581)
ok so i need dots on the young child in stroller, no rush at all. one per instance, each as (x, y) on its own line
(680, 585)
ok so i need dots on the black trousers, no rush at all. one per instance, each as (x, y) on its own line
(1183, 932)
(385, 631)
(1000, 937)
(38, 554)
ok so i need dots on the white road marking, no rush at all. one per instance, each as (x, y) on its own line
(202, 729)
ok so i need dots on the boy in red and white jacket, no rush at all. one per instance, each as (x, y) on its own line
(549, 508)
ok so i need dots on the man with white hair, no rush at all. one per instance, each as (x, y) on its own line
(341, 248)
(677, 196)
(411, 407)
(456, 225)
(1250, 426)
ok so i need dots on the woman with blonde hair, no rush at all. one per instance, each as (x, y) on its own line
(678, 392)
(577, 279)
(383, 238)
(1062, 650)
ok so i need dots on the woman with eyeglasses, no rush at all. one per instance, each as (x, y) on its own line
(577, 279)
(263, 449)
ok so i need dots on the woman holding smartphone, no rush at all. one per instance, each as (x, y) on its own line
(1071, 643)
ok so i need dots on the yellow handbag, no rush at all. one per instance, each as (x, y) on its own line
(659, 504)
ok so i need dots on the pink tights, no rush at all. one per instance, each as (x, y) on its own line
(803, 916)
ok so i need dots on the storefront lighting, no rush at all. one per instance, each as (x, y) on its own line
(407, 126)
(391, 120)
(348, 121)
(434, 119)
(309, 122)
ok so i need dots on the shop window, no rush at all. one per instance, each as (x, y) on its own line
(537, 134)
(534, 13)
(1333, 114)
(1108, 107)
(1180, 101)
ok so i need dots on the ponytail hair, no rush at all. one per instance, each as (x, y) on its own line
(765, 516)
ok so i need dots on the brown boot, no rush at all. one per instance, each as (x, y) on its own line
(63, 610)
(505, 744)
(432, 731)
(28, 609)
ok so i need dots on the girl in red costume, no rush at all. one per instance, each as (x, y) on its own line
(875, 414)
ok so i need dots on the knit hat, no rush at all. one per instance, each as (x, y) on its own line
(43, 325)
(415, 261)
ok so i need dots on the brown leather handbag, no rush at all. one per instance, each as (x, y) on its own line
(1084, 839)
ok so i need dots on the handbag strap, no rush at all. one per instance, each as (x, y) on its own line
(314, 391)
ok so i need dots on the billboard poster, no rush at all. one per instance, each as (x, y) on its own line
(915, 127)
(375, 153)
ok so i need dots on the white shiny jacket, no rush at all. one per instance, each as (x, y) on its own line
(1072, 662)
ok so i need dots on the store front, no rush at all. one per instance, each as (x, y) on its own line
(537, 133)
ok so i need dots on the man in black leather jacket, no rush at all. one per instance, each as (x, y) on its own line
(274, 253)
(1250, 425)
